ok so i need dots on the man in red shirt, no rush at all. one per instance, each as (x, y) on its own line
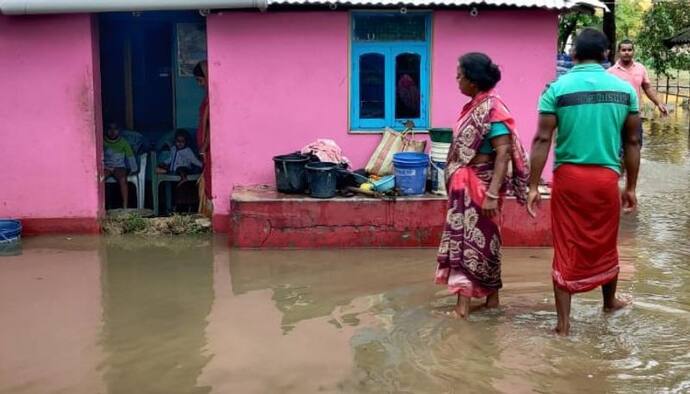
(636, 75)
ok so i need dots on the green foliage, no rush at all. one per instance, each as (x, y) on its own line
(629, 14)
(133, 224)
(571, 22)
(661, 21)
(173, 225)
(184, 224)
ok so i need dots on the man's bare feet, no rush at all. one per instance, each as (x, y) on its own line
(562, 298)
(616, 304)
(562, 329)
(611, 302)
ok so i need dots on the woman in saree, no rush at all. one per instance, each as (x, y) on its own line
(203, 140)
(477, 177)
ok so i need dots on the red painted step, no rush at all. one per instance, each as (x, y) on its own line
(262, 218)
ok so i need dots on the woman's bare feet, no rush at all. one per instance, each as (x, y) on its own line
(462, 309)
(492, 300)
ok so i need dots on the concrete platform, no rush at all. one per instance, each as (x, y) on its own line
(263, 218)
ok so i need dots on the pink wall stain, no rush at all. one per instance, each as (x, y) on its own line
(49, 157)
(280, 81)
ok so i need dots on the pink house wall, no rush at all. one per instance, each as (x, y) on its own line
(280, 81)
(522, 43)
(49, 128)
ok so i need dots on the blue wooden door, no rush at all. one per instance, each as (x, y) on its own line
(152, 84)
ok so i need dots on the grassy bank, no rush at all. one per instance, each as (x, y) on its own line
(134, 223)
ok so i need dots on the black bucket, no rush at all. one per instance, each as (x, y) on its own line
(346, 178)
(322, 179)
(290, 173)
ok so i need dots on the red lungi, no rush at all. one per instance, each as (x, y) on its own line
(585, 208)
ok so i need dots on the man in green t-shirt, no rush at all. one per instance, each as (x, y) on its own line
(595, 113)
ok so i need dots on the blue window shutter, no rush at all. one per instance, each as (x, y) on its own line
(358, 122)
(421, 51)
(390, 89)
(390, 50)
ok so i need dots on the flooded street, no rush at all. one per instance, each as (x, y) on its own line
(188, 315)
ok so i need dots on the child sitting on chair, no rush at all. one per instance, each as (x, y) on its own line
(182, 159)
(118, 159)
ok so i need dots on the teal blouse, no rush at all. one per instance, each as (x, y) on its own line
(497, 129)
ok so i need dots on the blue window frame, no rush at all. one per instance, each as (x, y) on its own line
(389, 70)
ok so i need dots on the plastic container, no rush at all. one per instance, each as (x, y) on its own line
(438, 178)
(439, 151)
(10, 231)
(385, 184)
(411, 170)
(290, 173)
(443, 135)
(322, 179)
(343, 177)
(347, 178)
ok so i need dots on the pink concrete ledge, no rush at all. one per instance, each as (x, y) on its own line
(262, 218)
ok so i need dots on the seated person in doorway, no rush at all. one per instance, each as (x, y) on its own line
(118, 159)
(182, 159)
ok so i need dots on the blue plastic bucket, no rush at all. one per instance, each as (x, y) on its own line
(10, 231)
(411, 170)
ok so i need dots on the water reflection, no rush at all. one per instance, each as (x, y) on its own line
(666, 141)
(308, 284)
(251, 351)
(156, 297)
(51, 317)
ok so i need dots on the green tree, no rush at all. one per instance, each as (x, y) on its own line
(629, 14)
(569, 23)
(661, 21)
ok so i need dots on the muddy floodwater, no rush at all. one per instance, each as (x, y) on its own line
(188, 315)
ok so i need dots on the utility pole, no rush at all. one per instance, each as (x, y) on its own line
(610, 29)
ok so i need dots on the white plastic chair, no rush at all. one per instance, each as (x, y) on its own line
(138, 179)
(157, 179)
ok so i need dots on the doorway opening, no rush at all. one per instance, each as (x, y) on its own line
(151, 103)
